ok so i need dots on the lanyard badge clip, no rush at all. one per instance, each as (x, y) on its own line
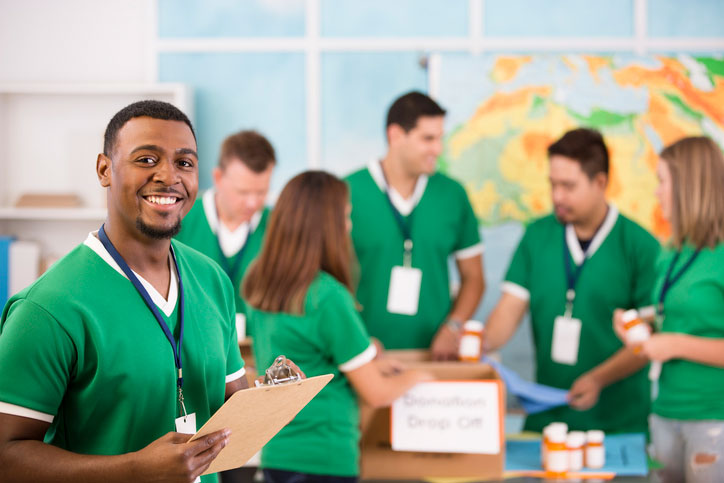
(407, 255)
(570, 297)
(181, 405)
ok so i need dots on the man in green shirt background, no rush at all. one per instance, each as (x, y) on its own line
(407, 220)
(112, 354)
(228, 222)
(571, 270)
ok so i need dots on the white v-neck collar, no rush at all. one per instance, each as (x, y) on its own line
(166, 306)
(230, 241)
(404, 206)
(574, 246)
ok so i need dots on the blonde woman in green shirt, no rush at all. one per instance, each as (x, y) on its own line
(300, 304)
(687, 424)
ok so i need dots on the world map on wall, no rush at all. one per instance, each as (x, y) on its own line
(509, 109)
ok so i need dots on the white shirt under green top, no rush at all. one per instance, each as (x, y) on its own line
(202, 230)
(443, 225)
(619, 272)
(88, 356)
(231, 241)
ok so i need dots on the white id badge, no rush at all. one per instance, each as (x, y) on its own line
(404, 292)
(566, 339)
(240, 327)
(186, 424)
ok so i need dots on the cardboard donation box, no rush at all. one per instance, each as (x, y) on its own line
(451, 427)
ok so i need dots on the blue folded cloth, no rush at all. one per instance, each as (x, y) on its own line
(533, 397)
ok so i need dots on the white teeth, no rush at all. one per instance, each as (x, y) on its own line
(162, 200)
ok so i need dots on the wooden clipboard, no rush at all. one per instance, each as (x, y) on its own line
(255, 416)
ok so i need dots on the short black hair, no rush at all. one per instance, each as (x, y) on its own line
(410, 107)
(148, 108)
(585, 146)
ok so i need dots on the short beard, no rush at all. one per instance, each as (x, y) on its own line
(158, 234)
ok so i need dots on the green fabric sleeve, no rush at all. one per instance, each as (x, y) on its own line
(519, 268)
(647, 255)
(37, 358)
(469, 233)
(340, 327)
(234, 362)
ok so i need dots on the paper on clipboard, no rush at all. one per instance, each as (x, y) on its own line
(255, 416)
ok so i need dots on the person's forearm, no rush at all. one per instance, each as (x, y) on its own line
(36, 462)
(619, 366)
(503, 321)
(703, 350)
(394, 387)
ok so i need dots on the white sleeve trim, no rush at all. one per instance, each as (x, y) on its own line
(368, 355)
(237, 375)
(515, 290)
(470, 252)
(8, 408)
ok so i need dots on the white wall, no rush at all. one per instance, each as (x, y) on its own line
(77, 40)
(65, 42)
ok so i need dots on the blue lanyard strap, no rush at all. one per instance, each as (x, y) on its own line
(175, 345)
(669, 281)
(232, 269)
(404, 225)
(572, 276)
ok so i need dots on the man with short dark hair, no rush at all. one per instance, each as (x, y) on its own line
(228, 222)
(407, 220)
(127, 342)
(572, 269)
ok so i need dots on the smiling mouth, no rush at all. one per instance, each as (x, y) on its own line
(162, 200)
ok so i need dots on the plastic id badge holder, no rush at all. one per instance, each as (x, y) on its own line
(566, 339)
(404, 295)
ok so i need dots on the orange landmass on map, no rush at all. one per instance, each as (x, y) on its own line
(595, 63)
(506, 68)
(502, 101)
(672, 78)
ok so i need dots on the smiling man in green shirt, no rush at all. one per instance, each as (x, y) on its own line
(407, 220)
(109, 356)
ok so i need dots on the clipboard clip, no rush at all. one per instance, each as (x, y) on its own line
(280, 372)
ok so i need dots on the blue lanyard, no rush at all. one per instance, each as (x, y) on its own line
(571, 275)
(669, 281)
(233, 268)
(405, 226)
(175, 345)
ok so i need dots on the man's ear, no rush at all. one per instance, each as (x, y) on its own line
(103, 170)
(394, 133)
(601, 180)
(216, 174)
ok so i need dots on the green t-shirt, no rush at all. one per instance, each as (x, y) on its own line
(80, 349)
(198, 232)
(443, 224)
(619, 273)
(329, 338)
(694, 305)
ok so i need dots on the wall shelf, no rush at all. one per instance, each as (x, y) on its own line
(50, 137)
(52, 214)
